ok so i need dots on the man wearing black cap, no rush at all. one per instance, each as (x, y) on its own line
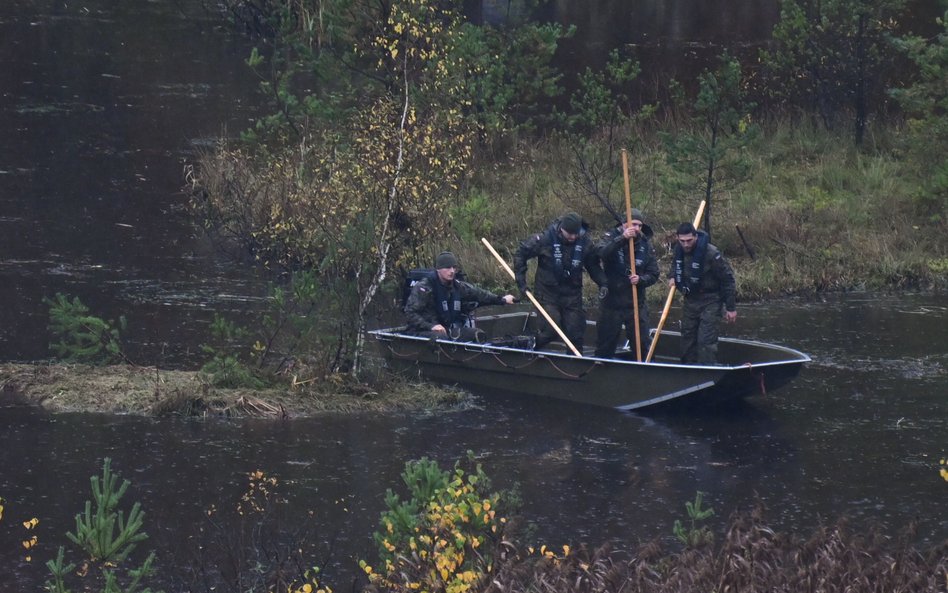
(562, 252)
(616, 309)
(435, 307)
(704, 277)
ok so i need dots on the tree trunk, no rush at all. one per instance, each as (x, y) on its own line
(384, 244)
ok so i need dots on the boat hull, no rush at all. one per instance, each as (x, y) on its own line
(621, 383)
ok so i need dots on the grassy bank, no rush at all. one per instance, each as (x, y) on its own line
(125, 389)
(818, 214)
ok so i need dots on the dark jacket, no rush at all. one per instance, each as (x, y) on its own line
(716, 275)
(425, 309)
(613, 251)
(561, 276)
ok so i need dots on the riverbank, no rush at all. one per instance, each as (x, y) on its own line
(149, 391)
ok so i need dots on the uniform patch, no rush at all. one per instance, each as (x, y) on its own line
(423, 288)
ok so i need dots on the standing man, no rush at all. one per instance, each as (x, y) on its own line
(561, 251)
(706, 281)
(435, 305)
(617, 310)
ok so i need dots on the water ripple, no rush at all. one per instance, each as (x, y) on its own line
(928, 367)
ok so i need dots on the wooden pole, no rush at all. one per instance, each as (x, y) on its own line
(635, 288)
(532, 299)
(671, 294)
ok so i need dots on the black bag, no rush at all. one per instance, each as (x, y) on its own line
(521, 342)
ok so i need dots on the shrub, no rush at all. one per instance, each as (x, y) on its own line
(106, 539)
(83, 337)
(442, 538)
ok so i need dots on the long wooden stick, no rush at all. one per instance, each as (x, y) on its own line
(533, 299)
(635, 288)
(671, 295)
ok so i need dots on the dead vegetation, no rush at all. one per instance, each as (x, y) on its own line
(126, 389)
(751, 558)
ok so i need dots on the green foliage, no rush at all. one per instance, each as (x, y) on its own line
(710, 155)
(831, 56)
(596, 129)
(226, 367)
(106, 539)
(83, 337)
(310, 314)
(511, 77)
(299, 334)
(926, 102)
(304, 53)
(601, 102)
(695, 534)
(424, 478)
(472, 219)
(442, 537)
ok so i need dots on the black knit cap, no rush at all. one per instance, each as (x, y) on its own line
(571, 223)
(446, 259)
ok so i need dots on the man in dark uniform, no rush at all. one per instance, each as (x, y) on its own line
(616, 310)
(704, 277)
(562, 252)
(435, 307)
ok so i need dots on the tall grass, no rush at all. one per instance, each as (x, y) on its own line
(818, 213)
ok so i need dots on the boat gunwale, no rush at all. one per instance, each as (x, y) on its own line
(390, 334)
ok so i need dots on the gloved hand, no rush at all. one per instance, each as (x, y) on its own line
(603, 292)
(523, 290)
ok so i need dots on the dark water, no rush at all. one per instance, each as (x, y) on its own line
(101, 105)
(859, 433)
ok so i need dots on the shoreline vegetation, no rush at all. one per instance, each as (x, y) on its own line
(58, 387)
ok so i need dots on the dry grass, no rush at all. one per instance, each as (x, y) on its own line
(122, 389)
(752, 558)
